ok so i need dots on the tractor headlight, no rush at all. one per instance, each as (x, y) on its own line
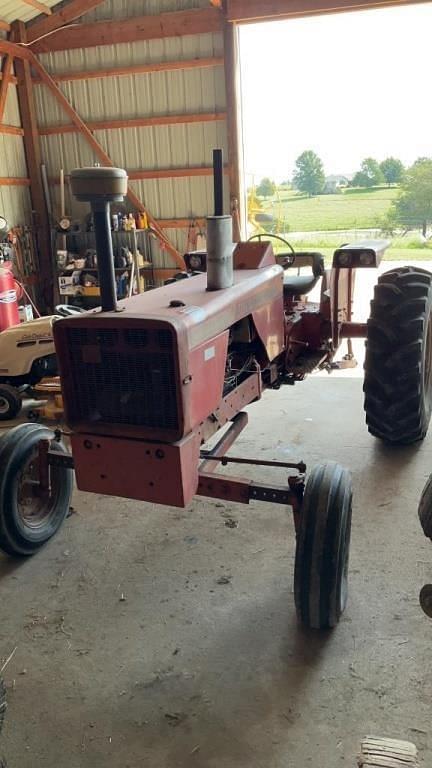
(366, 259)
(344, 259)
(195, 262)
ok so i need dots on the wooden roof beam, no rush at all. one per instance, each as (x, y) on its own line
(128, 30)
(268, 10)
(66, 15)
(4, 85)
(33, 158)
(137, 69)
(136, 122)
(13, 49)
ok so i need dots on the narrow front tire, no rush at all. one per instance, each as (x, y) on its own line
(322, 551)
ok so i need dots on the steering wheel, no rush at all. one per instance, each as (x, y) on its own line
(289, 258)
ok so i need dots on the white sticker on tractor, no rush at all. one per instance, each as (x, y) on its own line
(209, 353)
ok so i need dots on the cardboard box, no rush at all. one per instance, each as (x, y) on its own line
(69, 284)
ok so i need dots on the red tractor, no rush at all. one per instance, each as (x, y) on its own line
(148, 382)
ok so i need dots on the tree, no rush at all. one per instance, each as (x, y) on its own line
(414, 206)
(266, 188)
(309, 175)
(370, 174)
(392, 170)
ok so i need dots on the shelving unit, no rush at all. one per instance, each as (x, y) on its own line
(136, 240)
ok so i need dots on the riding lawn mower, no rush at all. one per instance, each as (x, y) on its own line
(155, 388)
(27, 352)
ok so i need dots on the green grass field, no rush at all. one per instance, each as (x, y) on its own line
(350, 209)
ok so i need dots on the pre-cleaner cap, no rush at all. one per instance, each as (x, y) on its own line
(99, 183)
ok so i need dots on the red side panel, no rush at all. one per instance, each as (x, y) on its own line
(269, 324)
(207, 373)
(155, 472)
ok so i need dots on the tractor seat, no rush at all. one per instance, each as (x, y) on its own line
(298, 285)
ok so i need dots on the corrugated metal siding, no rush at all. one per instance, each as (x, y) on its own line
(14, 201)
(10, 10)
(139, 52)
(161, 147)
(120, 9)
(15, 205)
(11, 114)
(143, 95)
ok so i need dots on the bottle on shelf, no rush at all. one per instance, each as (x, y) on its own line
(141, 220)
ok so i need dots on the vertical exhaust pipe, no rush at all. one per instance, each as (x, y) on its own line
(100, 187)
(220, 244)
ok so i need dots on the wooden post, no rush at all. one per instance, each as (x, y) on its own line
(235, 147)
(4, 87)
(33, 157)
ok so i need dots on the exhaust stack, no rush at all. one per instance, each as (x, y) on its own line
(219, 235)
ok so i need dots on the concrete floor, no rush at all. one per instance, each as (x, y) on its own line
(130, 653)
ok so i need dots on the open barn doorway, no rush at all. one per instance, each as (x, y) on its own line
(335, 113)
(336, 129)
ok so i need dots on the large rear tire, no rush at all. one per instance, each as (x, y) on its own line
(398, 363)
(28, 516)
(322, 551)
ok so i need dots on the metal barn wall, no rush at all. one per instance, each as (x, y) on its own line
(180, 146)
(14, 200)
(17, 9)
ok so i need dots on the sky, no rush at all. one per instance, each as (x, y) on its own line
(348, 86)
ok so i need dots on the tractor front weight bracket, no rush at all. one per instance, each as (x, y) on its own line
(211, 484)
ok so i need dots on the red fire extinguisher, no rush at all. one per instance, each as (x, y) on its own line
(9, 314)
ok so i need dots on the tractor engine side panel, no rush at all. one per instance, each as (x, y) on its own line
(206, 376)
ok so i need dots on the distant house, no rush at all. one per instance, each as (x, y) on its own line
(334, 183)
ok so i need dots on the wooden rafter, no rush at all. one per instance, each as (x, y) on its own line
(4, 85)
(137, 69)
(41, 7)
(174, 24)
(232, 89)
(172, 173)
(12, 80)
(136, 122)
(262, 10)
(182, 223)
(33, 157)
(12, 130)
(11, 181)
(164, 173)
(10, 48)
(100, 153)
(66, 15)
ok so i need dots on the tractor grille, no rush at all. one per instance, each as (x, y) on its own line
(122, 377)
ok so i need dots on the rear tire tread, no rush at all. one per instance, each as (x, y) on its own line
(397, 408)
